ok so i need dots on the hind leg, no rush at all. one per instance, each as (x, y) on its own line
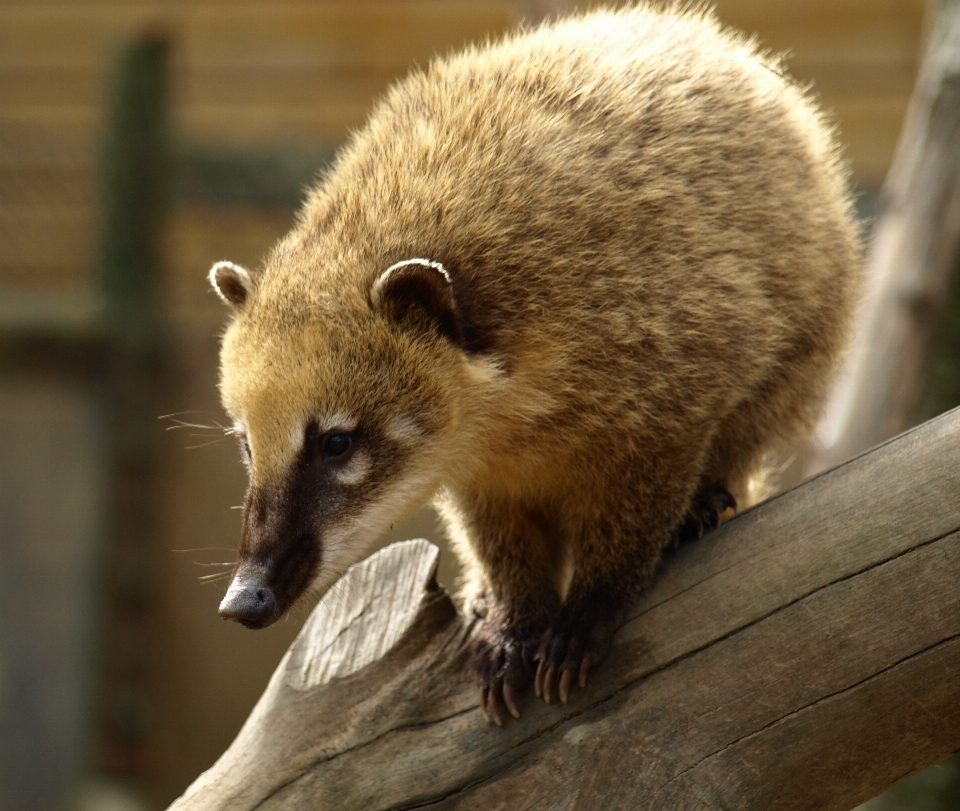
(767, 423)
(709, 504)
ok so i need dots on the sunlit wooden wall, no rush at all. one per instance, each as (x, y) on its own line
(304, 73)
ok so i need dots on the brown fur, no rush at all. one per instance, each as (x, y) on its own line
(652, 260)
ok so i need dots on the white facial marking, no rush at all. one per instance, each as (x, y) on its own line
(346, 544)
(339, 420)
(355, 471)
(404, 429)
(296, 435)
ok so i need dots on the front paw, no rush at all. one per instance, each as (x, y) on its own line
(503, 658)
(576, 641)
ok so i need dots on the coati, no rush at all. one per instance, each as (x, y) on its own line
(571, 286)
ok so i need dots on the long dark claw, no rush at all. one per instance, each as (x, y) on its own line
(494, 707)
(548, 683)
(510, 700)
(484, 694)
(584, 672)
(538, 679)
(566, 680)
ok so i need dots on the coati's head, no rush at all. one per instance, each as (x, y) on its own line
(344, 398)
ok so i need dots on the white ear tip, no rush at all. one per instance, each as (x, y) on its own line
(212, 276)
(384, 278)
(231, 282)
(231, 267)
(429, 263)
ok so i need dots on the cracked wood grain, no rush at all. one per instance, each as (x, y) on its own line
(804, 656)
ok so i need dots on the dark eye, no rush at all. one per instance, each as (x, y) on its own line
(245, 450)
(336, 447)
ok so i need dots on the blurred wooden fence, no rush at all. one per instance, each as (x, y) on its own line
(260, 94)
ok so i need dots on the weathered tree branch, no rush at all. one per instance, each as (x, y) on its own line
(804, 656)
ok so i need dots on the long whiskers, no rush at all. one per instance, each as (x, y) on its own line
(204, 549)
(213, 578)
(180, 423)
(214, 425)
(216, 441)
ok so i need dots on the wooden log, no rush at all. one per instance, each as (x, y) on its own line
(804, 656)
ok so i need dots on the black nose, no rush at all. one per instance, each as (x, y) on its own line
(249, 604)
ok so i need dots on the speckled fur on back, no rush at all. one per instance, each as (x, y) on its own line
(650, 263)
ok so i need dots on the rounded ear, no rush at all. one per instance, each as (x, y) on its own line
(418, 293)
(231, 282)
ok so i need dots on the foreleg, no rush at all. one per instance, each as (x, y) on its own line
(512, 546)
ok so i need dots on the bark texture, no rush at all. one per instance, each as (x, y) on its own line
(803, 656)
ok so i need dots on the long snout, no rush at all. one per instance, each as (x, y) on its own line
(249, 602)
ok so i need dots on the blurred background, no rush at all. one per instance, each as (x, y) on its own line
(139, 143)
